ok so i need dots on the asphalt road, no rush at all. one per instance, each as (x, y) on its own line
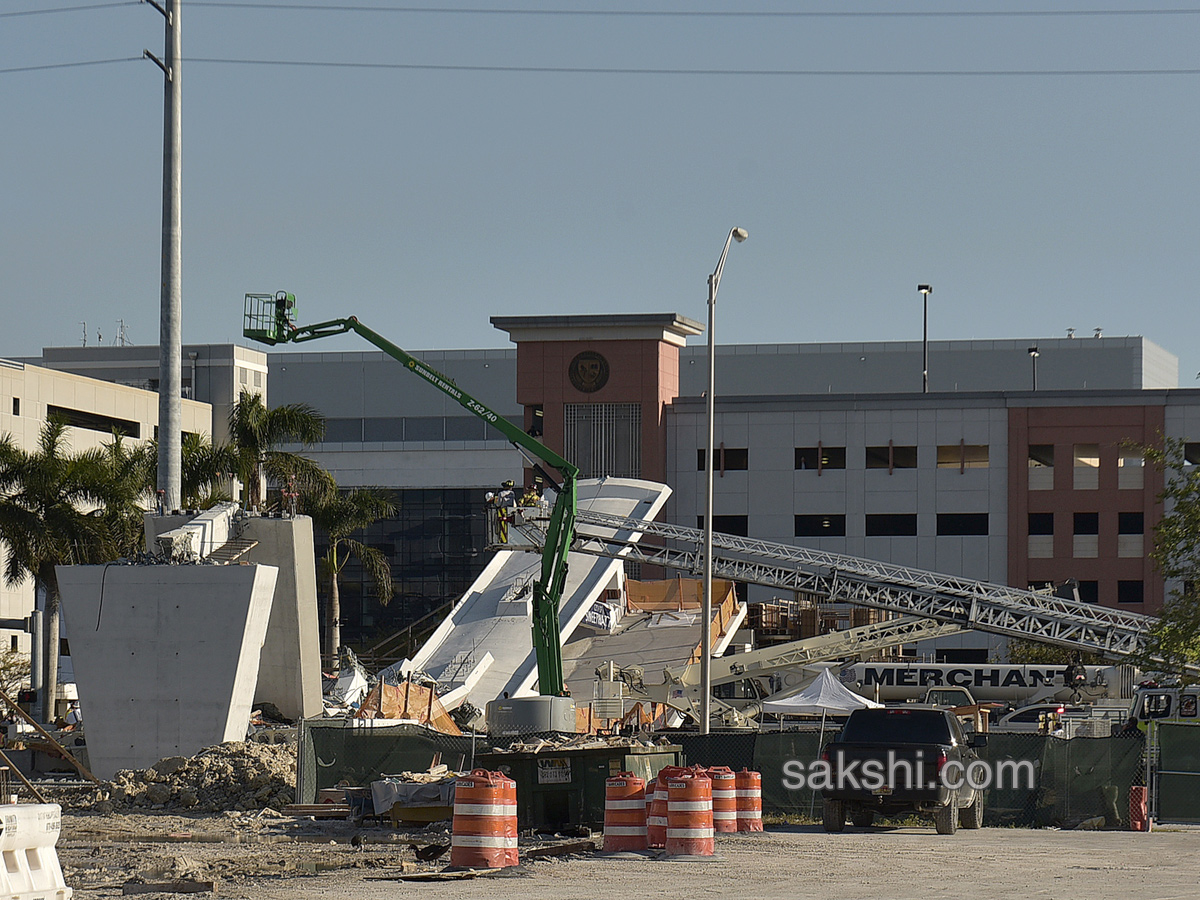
(792, 863)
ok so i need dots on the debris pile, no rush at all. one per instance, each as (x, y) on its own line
(579, 742)
(231, 776)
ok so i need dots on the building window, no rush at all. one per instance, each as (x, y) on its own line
(891, 525)
(1131, 527)
(726, 459)
(820, 458)
(1131, 523)
(1041, 467)
(535, 420)
(1086, 532)
(78, 418)
(1089, 591)
(343, 431)
(1130, 471)
(736, 525)
(1130, 592)
(821, 526)
(604, 439)
(950, 524)
(1191, 454)
(1041, 536)
(891, 457)
(465, 428)
(962, 456)
(1087, 467)
(1041, 523)
(16, 406)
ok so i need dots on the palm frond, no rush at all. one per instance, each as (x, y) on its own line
(375, 564)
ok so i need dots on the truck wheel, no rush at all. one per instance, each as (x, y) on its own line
(972, 816)
(833, 815)
(945, 820)
(862, 818)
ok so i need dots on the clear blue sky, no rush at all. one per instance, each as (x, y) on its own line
(426, 200)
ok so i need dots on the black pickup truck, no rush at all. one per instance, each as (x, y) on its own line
(895, 761)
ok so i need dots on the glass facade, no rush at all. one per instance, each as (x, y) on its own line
(436, 546)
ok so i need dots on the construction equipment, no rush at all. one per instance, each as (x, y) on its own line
(680, 688)
(270, 319)
(969, 604)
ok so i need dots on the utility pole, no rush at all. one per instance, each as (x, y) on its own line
(170, 328)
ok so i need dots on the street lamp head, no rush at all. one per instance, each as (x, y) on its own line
(925, 289)
(1033, 351)
(740, 234)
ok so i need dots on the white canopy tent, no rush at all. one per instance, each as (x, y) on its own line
(823, 695)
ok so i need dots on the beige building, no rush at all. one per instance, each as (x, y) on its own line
(93, 409)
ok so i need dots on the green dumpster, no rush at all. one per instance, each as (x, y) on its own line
(557, 787)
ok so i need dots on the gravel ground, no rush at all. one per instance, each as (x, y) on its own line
(269, 857)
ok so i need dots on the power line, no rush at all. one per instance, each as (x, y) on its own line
(66, 9)
(70, 65)
(605, 70)
(695, 14)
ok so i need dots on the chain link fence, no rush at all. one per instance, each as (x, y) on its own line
(1178, 774)
(1073, 780)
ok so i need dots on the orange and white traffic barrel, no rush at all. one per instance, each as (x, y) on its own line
(724, 799)
(484, 834)
(689, 815)
(749, 801)
(656, 808)
(624, 813)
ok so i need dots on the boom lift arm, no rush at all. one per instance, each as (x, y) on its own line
(269, 320)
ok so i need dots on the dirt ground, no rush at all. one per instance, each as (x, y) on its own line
(270, 857)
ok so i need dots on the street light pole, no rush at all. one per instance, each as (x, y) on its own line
(714, 281)
(925, 290)
(1033, 356)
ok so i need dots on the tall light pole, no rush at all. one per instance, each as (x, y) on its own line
(714, 282)
(925, 290)
(1033, 356)
(170, 325)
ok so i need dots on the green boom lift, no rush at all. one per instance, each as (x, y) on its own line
(269, 319)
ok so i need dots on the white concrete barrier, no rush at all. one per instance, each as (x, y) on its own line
(30, 869)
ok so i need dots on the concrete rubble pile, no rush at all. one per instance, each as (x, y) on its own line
(230, 776)
(578, 742)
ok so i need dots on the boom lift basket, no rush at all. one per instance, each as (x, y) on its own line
(268, 317)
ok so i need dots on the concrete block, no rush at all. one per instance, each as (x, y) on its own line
(166, 657)
(289, 674)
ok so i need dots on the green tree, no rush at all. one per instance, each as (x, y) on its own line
(340, 515)
(206, 470)
(256, 434)
(1175, 637)
(53, 512)
(129, 470)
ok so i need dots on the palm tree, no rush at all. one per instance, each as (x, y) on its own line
(130, 471)
(255, 435)
(339, 515)
(204, 474)
(45, 498)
